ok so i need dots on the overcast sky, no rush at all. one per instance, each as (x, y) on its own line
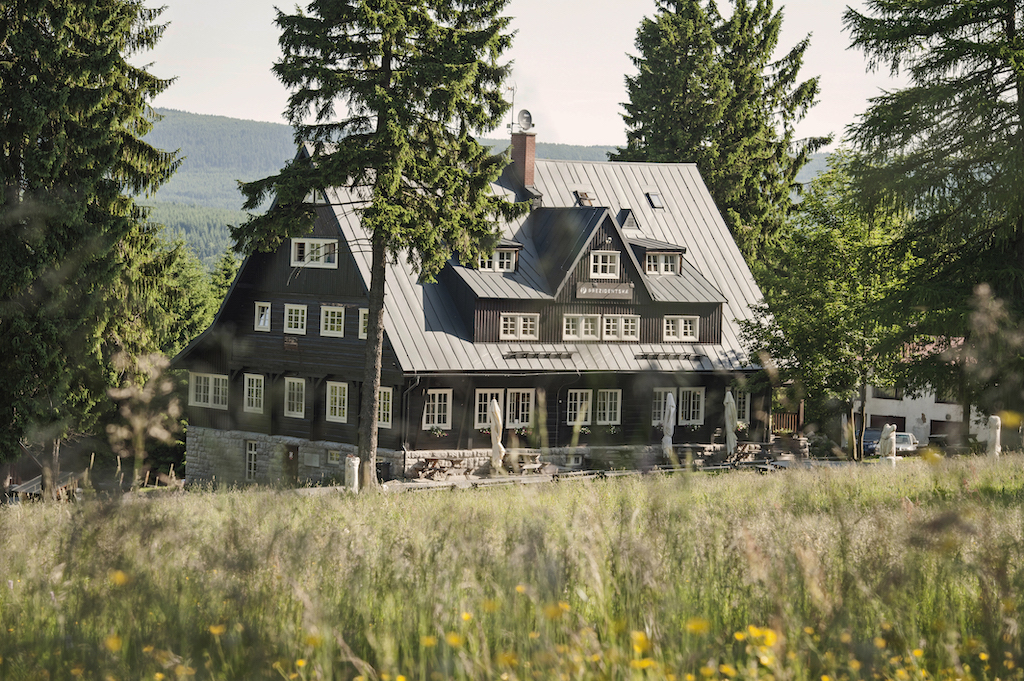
(570, 60)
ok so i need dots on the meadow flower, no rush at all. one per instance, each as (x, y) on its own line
(879, 642)
(118, 578)
(698, 626)
(454, 639)
(113, 643)
(507, 659)
(428, 641)
(641, 643)
(727, 669)
(300, 663)
(218, 629)
(467, 616)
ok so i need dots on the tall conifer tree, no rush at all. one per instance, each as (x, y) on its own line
(707, 91)
(73, 111)
(388, 95)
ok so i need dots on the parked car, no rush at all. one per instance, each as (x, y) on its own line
(953, 447)
(906, 444)
(871, 437)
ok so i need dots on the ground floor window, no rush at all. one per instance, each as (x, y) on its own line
(482, 413)
(250, 459)
(691, 406)
(384, 408)
(658, 404)
(519, 413)
(295, 397)
(254, 393)
(208, 390)
(337, 402)
(577, 408)
(437, 409)
(334, 457)
(743, 408)
(609, 407)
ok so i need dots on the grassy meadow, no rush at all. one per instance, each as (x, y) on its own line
(856, 573)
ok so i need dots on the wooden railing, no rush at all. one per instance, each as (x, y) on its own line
(786, 421)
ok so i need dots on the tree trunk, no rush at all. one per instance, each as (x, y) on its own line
(371, 375)
(51, 469)
(859, 446)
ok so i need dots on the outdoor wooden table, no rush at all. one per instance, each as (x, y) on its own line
(438, 468)
(529, 463)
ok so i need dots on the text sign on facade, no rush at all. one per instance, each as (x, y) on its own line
(592, 291)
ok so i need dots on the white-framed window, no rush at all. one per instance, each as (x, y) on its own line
(295, 319)
(253, 393)
(519, 326)
(506, 260)
(620, 328)
(482, 413)
(384, 408)
(315, 253)
(334, 457)
(487, 263)
(655, 198)
(691, 406)
(658, 404)
(437, 409)
(662, 263)
(581, 327)
(609, 407)
(337, 402)
(681, 329)
(332, 321)
(519, 408)
(743, 408)
(294, 397)
(364, 322)
(604, 265)
(262, 318)
(251, 454)
(577, 407)
(208, 390)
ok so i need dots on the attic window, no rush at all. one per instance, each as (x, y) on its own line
(585, 198)
(503, 260)
(315, 253)
(655, 199)
(662, 263)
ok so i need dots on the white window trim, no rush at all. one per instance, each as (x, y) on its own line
(383, 422)
(311, 246)
(343, 416)
(495, 393)
(579, 323)
(262, 305)
(333, 457)
(435, 394)
(619, 334)
(658, 414)
(617, 419)
(211, 380)
(251, 457)
(325, 311)
(364, 322)
(699, 421)
(511, 252)
(680, 319)
(743, 414)
(518, 334)
(305, 320)
(596, 264)
(290, 381)
(509, 421)
(588, 409)
(250, 405)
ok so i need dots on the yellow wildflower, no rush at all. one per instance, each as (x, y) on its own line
(113, 643)
(563, 605)
(727, 669)
(642, 664)
(918, 652)
(428, 641)
(534, 635)
(300, 663)
(739, 636)
(552, 611)
(698, 626)
(983, 656)
(855, 665)
(77, 671)
(809, 631)
(507, 659)
(218, 629)
(454, 639)
(826, 677)
(769, 636)
(490, 605)
(879, 642)
(902, 674)
(467, 616)
(520, 588)
(641, 643)
(707, 671)
(159, 677)
(845, 637)
(118, 578)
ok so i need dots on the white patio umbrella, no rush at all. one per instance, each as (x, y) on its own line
(668, 425)
(731, 421)
(497, 449)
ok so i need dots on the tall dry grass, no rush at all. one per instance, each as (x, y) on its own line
(862, 572)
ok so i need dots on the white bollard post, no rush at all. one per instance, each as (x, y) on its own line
(352, 473)
(994, 427)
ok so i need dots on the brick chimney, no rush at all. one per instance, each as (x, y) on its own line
(523, 154)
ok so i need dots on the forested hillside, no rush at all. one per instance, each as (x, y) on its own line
(202, 198)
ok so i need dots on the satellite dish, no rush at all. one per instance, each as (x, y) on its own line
(525, 119)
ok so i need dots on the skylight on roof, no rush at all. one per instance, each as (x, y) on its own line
(585, 198)
(655, 199)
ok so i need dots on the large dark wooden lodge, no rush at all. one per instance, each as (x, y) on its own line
(622, 285)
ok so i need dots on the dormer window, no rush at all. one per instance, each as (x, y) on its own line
(315, 253)
(604, 265)
(503, 260)
(662, 263)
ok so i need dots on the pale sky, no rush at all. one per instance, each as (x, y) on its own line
(570, 60)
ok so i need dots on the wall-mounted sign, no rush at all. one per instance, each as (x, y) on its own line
(595, 291)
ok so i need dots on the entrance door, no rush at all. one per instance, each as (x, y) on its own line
(291, 463)
(899, 421)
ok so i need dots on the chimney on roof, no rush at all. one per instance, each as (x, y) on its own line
(523, 155)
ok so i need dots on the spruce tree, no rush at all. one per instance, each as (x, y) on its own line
(950, 145)
(388, 96)
(73, 111)
(729, 108)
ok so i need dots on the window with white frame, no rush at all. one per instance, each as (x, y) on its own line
(743, 408)
(620, 328)
(253, 393)
(662, 263)
(384, 408)
(482, 413)
(295, 319)
(487, 262)
(251, 454)
(208, 390)
(519, 408)
(332, 321)
(680, 329)
(604, 265)
(581, 327)
(334, 457)
(294, 397)
(506, 260)
(315, 253)
(655, 199)
(437, 409)
(658, 404)
(262, 320)
(519, 327)
(691, 406)
(609, 407)
(577, 407)
(337, 402)
(364, 322)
